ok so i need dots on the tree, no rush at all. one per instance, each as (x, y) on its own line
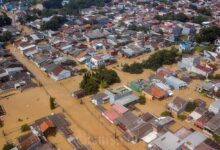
(5, 20)
(204, 11)
(160, 58)
(54, 23)
(8, 146)
(199, 19)
(209, 34)
(190, 106)
(52, 103)
(6, 36)
(142, 100)
(93, 79)
(135, 68)
(25, 127)
(54, 4)
(166, 113)
(171, 16)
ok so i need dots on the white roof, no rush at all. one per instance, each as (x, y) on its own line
(150, 137)
(195, 115)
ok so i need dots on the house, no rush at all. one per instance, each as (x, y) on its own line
(210, 56)
(47, 126)
(203, 120)
(206, 86)
(139, 85)
(208, 144)
(174, 82)
(193, 140)
(168, 141)
(185, 46)
(217, 41)
(192, 64)
(94, 35)
(132, 50)
(28, 141)
(215, 107)
(25, 46)
(122, 95)
(197, 113)
(115, 111)
(100, 60)
(99, 98)
(213, 125)
(178, 105)
(183, 132)
(188, 29)
(163, 71)
(60, 73)
(154, 92)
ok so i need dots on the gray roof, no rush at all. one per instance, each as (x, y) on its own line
(168, 141)
(95, 34)
(49, 68)
(194, 139)
(100, 96)
(214, 123)
(127, 99)
(216, 104)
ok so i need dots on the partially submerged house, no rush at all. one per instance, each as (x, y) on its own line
(178, 105)
(122, 95)
(215, 107)
(192, 64)
(174, 82)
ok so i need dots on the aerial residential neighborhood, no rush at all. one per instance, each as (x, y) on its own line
(110, 74)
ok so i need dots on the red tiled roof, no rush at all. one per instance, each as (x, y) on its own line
(157, 92)
(111, 115)
(58, 70)
(203, 68)
(46, 125)
(119, 108)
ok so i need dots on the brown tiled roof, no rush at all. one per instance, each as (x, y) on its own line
(27, 141)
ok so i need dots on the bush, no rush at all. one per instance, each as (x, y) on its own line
(182, 117)
(142, 100)
(166, 113)
(190, 106)
(135, 68)
(25, 127)
(8, 146)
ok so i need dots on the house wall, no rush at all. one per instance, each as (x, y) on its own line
(214, 109)
(134, 87)
(63, 75)
(147, 95)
